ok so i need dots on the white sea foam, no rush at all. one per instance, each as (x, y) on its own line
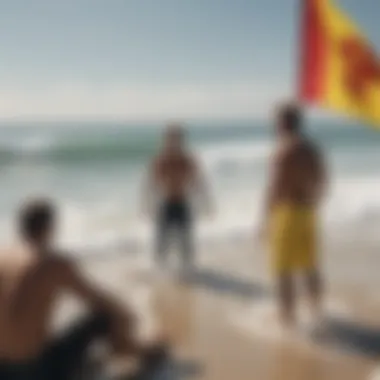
(235, 154)
(30, 145)
(353, 205)
(236, 170)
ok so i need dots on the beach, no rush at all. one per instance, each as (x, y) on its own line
(221, 323)
(121, 121)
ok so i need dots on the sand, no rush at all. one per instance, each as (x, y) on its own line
(222, 323)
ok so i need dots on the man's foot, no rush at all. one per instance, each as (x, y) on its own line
(154, 356)
(156, 353)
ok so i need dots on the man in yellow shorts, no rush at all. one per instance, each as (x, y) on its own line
(291, 224)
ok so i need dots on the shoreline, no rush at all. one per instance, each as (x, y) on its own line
(220, 323)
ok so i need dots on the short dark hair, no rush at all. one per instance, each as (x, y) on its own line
(290, 117)
(36, 218)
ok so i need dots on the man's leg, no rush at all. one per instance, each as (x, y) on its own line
(162, 238)
(314, 291)
(67, 355)
(20, 372)
(286, 299)
(186, 239)
(187, 248)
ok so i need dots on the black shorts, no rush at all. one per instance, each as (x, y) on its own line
(174, 218)
(174, 214)
(63, 358)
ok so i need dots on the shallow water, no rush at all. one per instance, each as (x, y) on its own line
(95, 172)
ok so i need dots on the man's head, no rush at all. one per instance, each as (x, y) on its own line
(174, 138)
(289, 120)
(37, 221)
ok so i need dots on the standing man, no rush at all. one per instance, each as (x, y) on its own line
(293, 201)
(174, 173)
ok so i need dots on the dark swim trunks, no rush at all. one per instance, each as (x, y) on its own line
(64, 357)
(174, 216)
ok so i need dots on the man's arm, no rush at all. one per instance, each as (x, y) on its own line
(99, 300)
(279, 167)
(321, 176)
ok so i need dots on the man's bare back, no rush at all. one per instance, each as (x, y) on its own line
(299, 173)
(28, 288)
(30, 285)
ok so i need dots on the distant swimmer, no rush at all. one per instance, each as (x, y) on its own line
(32, 279)
(294, 196)
(173, 176)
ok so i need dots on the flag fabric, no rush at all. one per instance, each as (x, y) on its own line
(339, 68)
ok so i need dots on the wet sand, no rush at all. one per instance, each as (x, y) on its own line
(221, 324)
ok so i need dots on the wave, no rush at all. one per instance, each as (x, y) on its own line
(56, 149)
(354, 200)
(352, 211)
(75, 150)
(236, 154)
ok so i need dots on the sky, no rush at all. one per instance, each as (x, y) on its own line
(152, 59)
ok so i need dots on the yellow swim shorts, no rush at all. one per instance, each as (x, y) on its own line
(293, 239)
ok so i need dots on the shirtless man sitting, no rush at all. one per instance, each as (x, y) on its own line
(173, 174)
(293, 201)
(32, 278)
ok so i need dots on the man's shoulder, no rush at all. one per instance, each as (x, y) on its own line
(60, 262)
(302, 146)
(284, 151)
(11, 256)
(185, 157)
(290, 151)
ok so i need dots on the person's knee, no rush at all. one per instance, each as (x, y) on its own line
(100, 322)
(285, 287)
(103, 322)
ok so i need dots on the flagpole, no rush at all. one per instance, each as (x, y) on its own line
(300, 40)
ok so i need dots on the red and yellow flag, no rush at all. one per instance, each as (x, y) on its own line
(339, 68)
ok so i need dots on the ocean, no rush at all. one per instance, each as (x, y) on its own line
(95, 173)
